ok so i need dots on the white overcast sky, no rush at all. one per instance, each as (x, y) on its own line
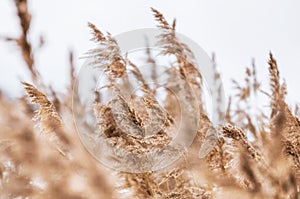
(235, 30)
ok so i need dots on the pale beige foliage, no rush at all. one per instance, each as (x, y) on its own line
(50, 161)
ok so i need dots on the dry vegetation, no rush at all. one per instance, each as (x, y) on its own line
(42, 157)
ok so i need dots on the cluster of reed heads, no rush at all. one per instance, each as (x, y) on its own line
(254, 156)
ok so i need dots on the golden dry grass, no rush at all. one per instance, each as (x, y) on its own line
(41, 155)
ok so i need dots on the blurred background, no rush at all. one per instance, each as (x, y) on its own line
(236, 31)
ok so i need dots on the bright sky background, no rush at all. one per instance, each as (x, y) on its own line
(235, 30)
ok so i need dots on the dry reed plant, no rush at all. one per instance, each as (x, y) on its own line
(42, 157)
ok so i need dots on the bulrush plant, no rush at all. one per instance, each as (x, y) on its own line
(42, 156)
